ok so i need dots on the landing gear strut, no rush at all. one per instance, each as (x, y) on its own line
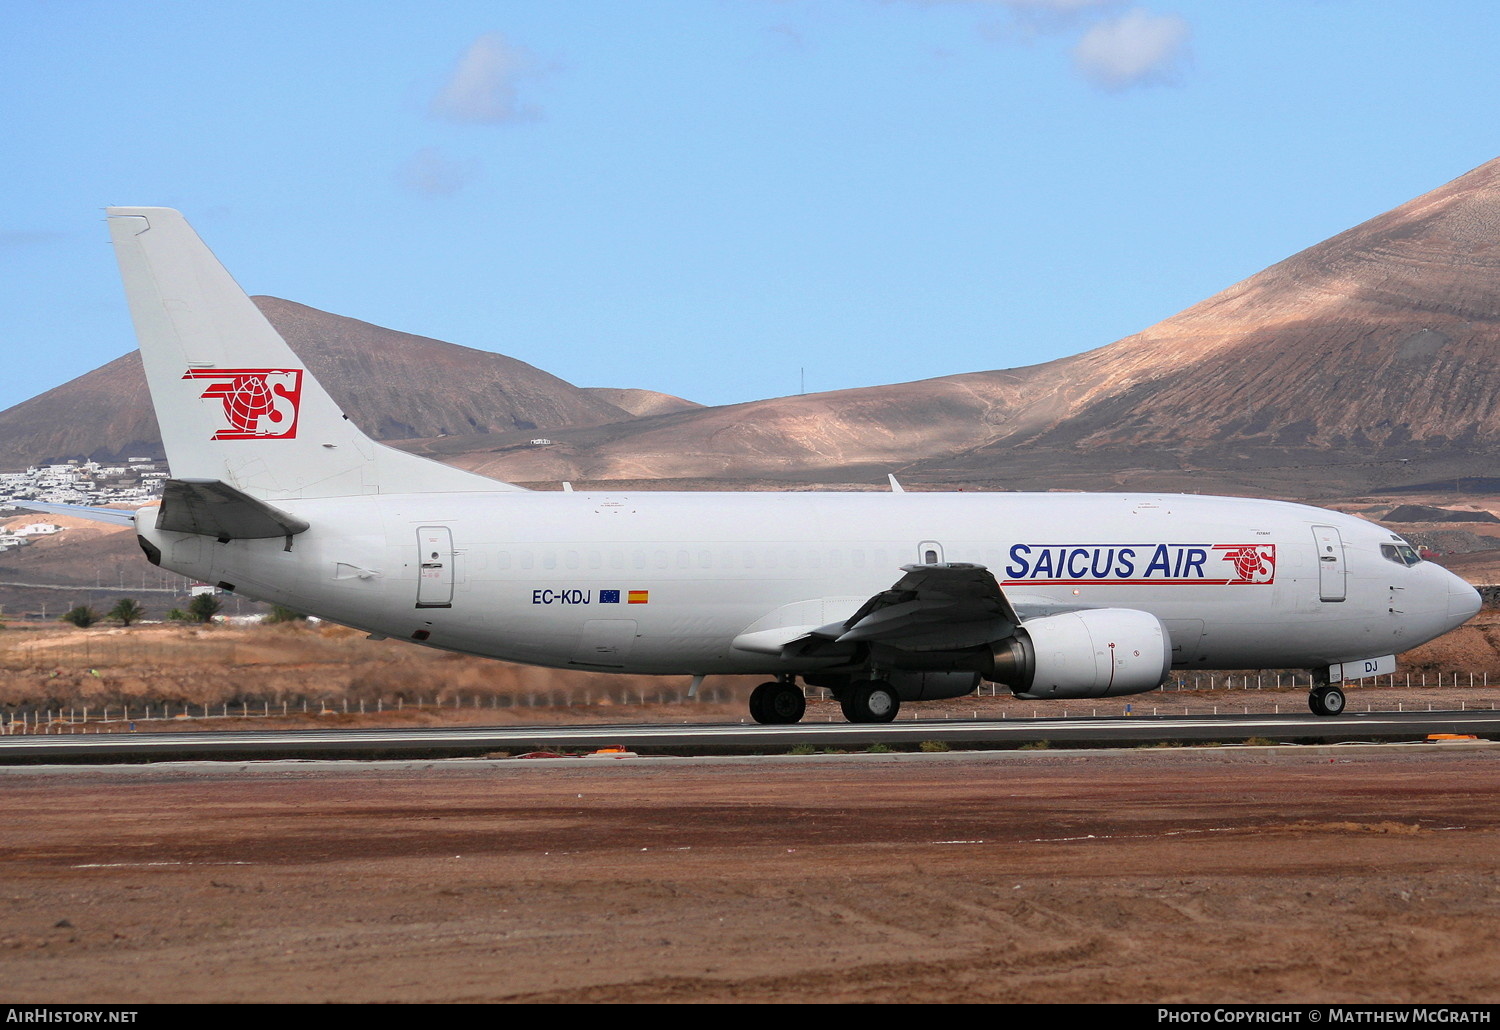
(777, 703)
(1326, 700)
(870, 701)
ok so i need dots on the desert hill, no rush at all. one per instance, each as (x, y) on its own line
(641, 402)
(1362, 364)
(395, 386)
(1366, 359)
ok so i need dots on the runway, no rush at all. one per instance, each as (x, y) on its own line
(739, 738)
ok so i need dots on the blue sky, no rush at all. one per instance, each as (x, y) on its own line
(708, 197)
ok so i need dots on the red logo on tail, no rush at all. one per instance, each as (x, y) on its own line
(259, 403)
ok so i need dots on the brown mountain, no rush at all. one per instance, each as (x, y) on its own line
(642, 402)
(1383, 337)
(1365, 359)
(1377, 345)
(394, 385)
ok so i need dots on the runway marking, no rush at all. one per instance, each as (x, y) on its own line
(143, 865)
(1127, 836)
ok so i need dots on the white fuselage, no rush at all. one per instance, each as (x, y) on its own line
(666, 582)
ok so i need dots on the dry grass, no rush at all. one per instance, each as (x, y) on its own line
(218, 665)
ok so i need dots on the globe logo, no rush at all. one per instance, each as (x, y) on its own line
(258, 403)
(247, 401)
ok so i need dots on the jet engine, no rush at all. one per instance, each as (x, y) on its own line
(1103, 652)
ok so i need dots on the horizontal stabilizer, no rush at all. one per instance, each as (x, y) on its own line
(211, 508)
(116, 516)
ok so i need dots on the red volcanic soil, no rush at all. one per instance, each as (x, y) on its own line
(1215, 875)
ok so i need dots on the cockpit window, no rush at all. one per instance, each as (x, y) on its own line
(1401, 554)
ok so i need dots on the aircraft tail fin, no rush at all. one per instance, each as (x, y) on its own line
(235, 404)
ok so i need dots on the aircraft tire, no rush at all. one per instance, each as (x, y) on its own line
(777, 704)
(1326, 701)
(870, 701)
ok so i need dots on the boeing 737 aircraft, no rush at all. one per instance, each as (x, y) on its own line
(882, 598)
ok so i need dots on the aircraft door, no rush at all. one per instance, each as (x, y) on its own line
(1330, 548)
(435, 560)
(929, 552)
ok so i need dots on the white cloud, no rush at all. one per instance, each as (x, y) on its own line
(431, 173)
(1138, 48)
(20, 239)
(485, 86)
(1031, 18)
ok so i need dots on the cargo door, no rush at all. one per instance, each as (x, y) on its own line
(1330, 563)
(435, 559)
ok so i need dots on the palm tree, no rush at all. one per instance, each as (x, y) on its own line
(81, 616)
(203, 608)
(126, 611)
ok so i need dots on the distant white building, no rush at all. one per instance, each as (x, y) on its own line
(37, 529)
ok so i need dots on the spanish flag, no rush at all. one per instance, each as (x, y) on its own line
(639, 597)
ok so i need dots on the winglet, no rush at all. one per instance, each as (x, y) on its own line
(896, 488)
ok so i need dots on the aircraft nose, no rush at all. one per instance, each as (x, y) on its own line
(1463, 601)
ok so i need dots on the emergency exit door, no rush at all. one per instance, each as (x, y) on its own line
(435, 580)
(1330, 563)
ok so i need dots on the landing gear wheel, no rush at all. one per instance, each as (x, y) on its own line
(1326, 701)
(870, 701)
(777, 703)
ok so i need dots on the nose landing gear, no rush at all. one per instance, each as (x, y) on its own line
(1326, 700)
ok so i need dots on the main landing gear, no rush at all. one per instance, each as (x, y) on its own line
(1326, 700)
(781, 702)
(870, 701)
(777, 703)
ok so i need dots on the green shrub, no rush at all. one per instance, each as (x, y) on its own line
(80, 616)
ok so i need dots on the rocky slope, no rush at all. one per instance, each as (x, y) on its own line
(394, 385)
(1375, 346)
(1361, 363)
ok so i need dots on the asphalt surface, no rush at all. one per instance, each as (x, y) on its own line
(741, 738)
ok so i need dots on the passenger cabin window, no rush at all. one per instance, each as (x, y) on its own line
(1401, 554)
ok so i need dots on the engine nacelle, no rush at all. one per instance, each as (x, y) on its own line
(1103, 652)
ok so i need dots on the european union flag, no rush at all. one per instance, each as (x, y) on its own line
(609, 597)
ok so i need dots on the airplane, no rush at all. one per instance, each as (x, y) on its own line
(276, 495)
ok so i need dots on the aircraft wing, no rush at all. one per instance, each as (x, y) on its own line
(934, 608)
(943, 607)
(117, 516)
